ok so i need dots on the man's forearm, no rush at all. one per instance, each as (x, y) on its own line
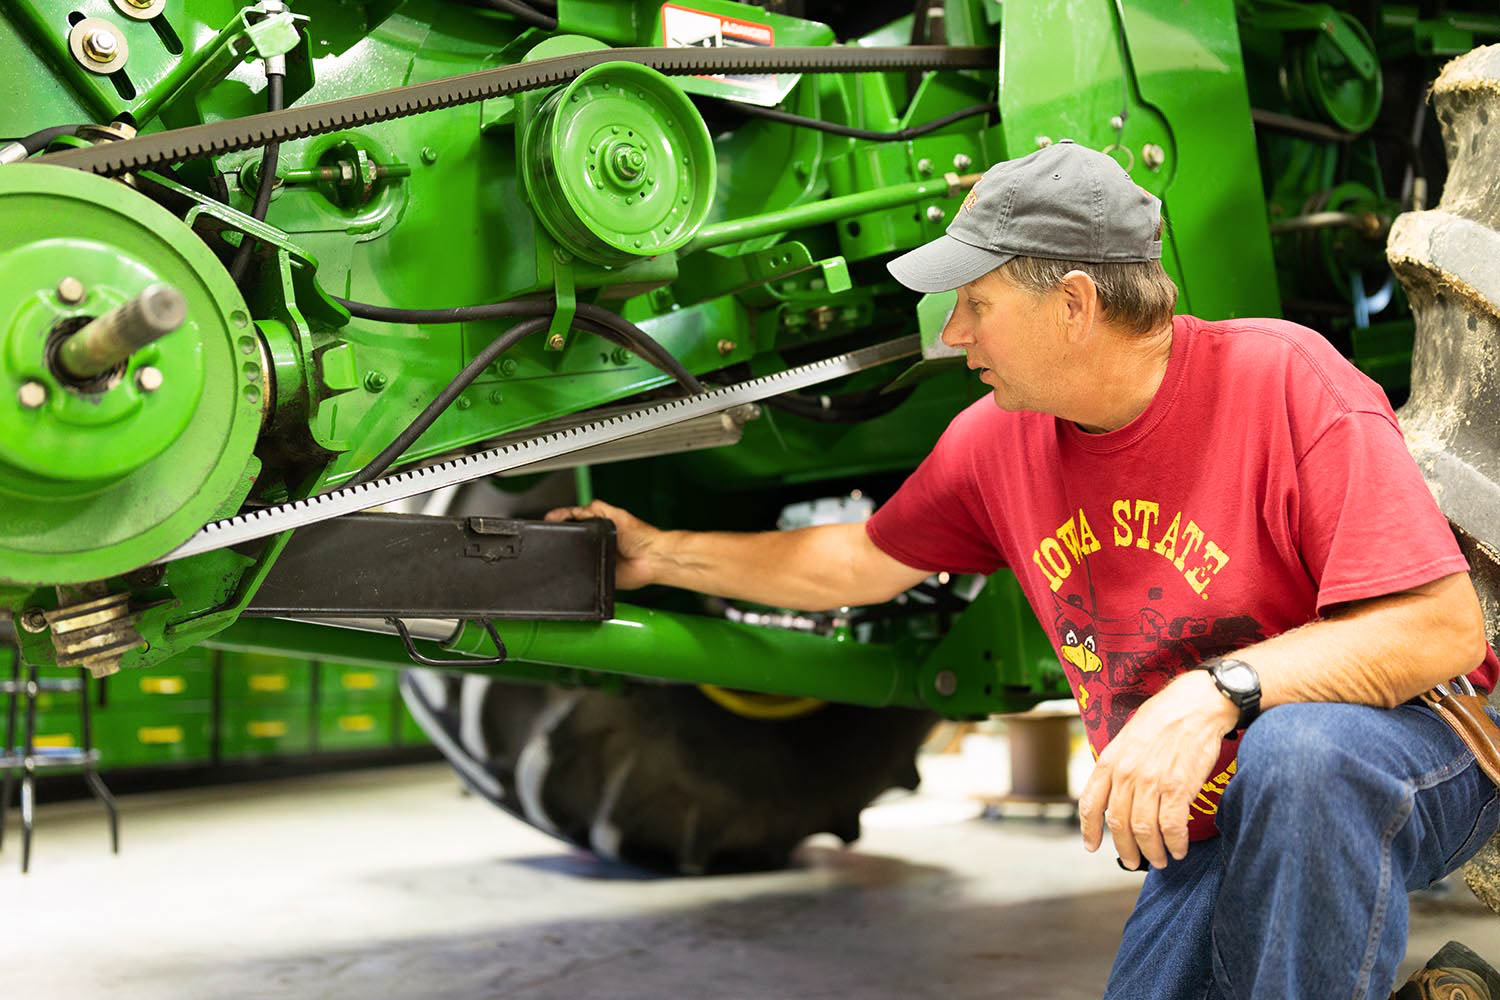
(808, 569)
(1384, 652)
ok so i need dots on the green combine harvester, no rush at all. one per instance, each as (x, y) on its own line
(309, 311)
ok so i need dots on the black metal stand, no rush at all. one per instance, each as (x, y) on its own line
(28, 757)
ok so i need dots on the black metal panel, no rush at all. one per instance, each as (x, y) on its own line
(376, 565)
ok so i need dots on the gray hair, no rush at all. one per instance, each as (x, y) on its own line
(1138, 296)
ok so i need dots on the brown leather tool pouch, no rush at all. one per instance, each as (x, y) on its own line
(1466, 715)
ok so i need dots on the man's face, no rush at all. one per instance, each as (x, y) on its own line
(1013, 338)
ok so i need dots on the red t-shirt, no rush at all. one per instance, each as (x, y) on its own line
(1265, 482)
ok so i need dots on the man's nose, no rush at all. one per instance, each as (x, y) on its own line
(954, 333)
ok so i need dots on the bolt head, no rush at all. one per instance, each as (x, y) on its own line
(1043, 141)
(555, 342)
(934, 213)
(429, 155)
(1153, 156)
(101, 44)
(962, 162)
(507, 367)
(464, 402)
(924, 166)
(148, 379)
(32, 395)
(1117, 123)
(726, 346)
(375, 381)
(34, 620)
(946, 682)
(70, 291)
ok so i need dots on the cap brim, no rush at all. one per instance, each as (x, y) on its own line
(944, 264)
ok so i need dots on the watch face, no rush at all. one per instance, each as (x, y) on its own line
(1238, 677)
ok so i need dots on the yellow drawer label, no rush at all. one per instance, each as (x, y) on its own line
(268, 729)
(268, 682)
(358, 682)
(163, 685)
(356, 723)
(159, 734)
(53, 741)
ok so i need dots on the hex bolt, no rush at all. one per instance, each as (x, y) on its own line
(375, 381)
(429, 155)
(508, 367)
(619, 355)
(34, 620)
(122, 331)
(946, 682)
(464, 402)
(70, 291)
(1117, 122)
(962, 162)
(555, 342)
(32, 395)
(1153, 156)
(727, 346)
(148, 379)
(924, 166)
(101, 44)
(934, 213)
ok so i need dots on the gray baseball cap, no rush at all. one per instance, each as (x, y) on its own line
(1065, 202)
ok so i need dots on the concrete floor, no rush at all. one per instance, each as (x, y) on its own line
(391, 884)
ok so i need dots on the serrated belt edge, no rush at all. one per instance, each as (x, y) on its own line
(163, 148)
(310, 510)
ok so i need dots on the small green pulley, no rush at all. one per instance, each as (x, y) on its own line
(619, 165)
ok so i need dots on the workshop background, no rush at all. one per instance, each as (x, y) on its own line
(309, 310)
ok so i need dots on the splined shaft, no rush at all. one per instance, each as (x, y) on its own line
(119, 333)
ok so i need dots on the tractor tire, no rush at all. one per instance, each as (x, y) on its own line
(1448, 259)
(660, 777)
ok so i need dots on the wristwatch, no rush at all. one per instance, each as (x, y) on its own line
(1240, 684)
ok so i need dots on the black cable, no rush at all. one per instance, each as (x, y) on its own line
(786, 117)
(633, 336)
(434, 409)
(522, 12)
(853, 408)
(38, 140)
(275, 98)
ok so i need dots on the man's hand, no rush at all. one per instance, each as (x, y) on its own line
(1145, 780)
(635, 539)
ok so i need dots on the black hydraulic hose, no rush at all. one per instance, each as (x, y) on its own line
(851, 409)
(786, 117)
(434, 409)
(275, 96)
(523, 12)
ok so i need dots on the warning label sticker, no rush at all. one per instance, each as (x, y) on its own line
(683, 27)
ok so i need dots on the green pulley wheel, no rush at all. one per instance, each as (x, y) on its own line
(1324, 82)
(619, 165)
(104, 471)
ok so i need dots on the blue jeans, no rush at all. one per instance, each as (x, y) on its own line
(1335, 813)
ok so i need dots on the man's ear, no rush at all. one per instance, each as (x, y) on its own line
(1078, 306)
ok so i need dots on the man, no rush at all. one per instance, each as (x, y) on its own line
(1172, 494)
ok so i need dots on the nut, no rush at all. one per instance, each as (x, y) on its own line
(726, 346)
(1153, 156)
(555, 342)
(375, 381)
(962, 162)
(34, 620)
(1117, 123)
(934, 213)
(70, 291)
(148, 379)
(32, 395)
(924, 166)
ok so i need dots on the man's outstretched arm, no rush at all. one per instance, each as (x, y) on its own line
(808, 569)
